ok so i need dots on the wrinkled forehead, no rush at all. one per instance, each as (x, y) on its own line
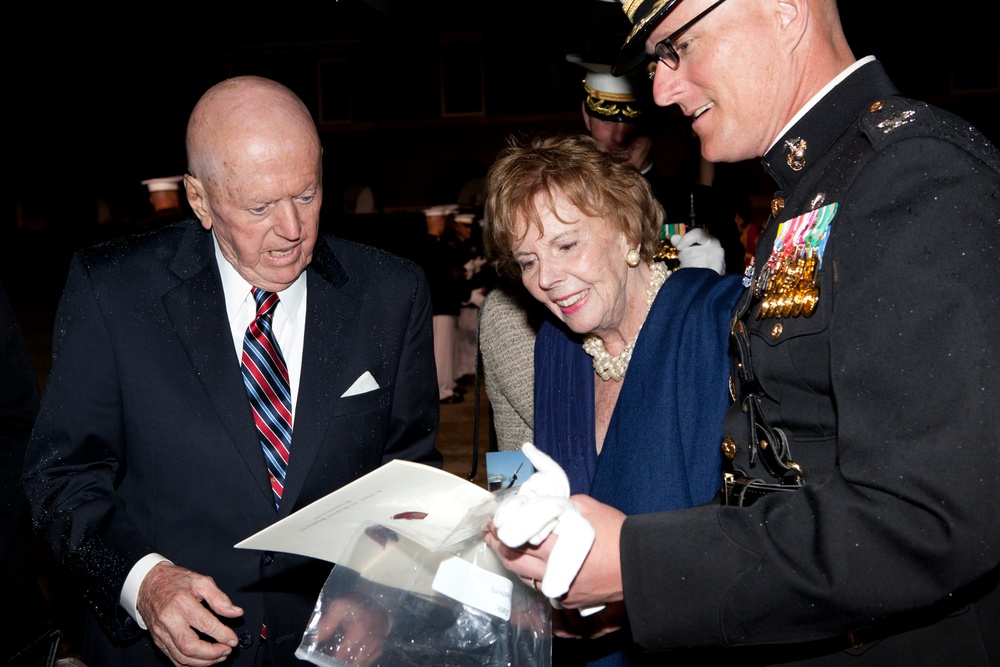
(550, 199)
(236, 156)
(677, 17)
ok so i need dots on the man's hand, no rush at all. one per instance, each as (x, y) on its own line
(353, 631)
(599, 580)
(170, 603)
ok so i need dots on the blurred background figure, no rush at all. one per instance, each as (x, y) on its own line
(165, 197)
(475, 281)
(439, 259)
(613, 112)
(619, 115)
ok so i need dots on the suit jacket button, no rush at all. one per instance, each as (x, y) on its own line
(246, 640)
(267, 558)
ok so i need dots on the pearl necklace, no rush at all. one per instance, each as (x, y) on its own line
(613, 368)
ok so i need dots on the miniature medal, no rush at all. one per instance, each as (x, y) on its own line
(787, 285)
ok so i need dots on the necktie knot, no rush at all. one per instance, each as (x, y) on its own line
(266, 301)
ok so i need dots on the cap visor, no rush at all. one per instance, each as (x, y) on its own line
(633, 52)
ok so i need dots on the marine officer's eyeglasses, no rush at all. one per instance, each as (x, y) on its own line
(664, 50)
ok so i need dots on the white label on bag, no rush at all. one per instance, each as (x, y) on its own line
(474, 586)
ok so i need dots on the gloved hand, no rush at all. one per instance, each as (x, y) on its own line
(699, 249)
(542, 506)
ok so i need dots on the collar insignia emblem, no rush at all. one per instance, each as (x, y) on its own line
(796, 157)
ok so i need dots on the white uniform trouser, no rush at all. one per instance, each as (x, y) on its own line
(444, 353)
(465, 342)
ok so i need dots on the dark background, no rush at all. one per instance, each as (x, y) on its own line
(413, 98)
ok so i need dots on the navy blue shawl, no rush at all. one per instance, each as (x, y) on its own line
(663, 446)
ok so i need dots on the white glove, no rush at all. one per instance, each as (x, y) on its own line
(542, 506)
(531, 514)
(699, 249)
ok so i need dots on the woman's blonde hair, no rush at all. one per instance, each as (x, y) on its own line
(575, 166)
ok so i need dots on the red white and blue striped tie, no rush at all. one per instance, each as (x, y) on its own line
(266, 379)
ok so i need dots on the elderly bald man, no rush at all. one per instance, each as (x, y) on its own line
(211, 378)
(861, 503)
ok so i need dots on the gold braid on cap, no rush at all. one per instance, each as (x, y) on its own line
(630, 7)
(611, 104)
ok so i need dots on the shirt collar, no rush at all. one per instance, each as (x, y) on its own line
(237, 289)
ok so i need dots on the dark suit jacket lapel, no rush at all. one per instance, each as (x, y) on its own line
(197, 310)
(331, 325)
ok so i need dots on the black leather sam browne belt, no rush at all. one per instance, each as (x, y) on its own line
(764, 445)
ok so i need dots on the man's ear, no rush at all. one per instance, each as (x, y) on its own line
(198, 199)
(792, 18)
(586, 116)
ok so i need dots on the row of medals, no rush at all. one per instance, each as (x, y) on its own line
(787, 285)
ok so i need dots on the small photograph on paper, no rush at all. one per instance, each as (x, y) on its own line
(505, 470)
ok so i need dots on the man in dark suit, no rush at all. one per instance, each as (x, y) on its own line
(147, 463)
(863, 436)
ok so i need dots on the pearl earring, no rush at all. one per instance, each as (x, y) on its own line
(632, 258)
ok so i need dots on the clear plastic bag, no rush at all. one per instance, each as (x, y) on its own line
(391, 602)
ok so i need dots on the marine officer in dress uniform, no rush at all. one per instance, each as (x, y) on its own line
(857, 522)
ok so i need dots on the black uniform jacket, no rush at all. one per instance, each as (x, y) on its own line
(145, 441)
(888, 397)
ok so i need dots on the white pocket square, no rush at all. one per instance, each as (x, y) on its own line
(362, 385)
